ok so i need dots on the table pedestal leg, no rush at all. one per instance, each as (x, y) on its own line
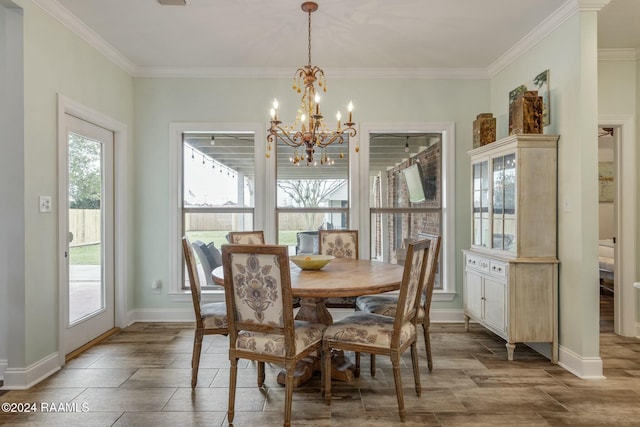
(313, 310)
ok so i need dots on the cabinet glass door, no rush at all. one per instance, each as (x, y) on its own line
(504, 203)
(481, 204)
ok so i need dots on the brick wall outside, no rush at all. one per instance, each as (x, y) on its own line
(430, 163)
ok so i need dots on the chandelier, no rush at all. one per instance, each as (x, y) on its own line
(309, 130)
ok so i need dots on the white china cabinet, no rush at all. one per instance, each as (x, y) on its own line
(511, 269)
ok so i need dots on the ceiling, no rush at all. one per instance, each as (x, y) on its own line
(370, 38)
(378, 37)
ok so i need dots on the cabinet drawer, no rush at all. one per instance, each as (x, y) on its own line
(478, 263)
(497, 269)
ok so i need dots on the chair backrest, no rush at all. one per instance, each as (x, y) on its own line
(194, 281)
(209, 257)
(246, 237)
(307, 242)
(431, 269)
(339, 243)
(412, 283)
(257, 286)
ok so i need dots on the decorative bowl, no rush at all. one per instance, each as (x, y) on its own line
(311, 262)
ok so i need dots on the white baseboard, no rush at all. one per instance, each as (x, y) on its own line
(447, 315)
(588, 368)
(543, 348)
(24, 378)
(3, 367)
(160, 315)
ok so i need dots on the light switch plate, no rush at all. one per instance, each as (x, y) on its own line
(45, 204)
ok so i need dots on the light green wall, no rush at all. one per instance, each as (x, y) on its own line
(570, 53)
(56, 61)
(159, 102)
(617, 88)
(12, 174)
(618, 83)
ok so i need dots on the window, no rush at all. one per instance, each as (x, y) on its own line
(311, 197)
(405, 197)
(292, 202)
(218, 193)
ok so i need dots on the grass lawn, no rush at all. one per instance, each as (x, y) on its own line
(218, 237)
(84, 255)
(90, 254)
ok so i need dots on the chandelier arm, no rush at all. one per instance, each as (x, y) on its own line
(327, 138)
(277, 133)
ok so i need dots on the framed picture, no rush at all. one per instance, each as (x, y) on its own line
(540, 83)
(605, 182)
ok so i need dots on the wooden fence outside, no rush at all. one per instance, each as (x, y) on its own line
(85, 226)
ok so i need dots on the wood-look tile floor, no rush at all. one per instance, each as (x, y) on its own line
(141, 377)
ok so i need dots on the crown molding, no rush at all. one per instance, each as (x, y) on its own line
(57, 11)
(554, 20)
(592, 5)
(566, 11)
(335, 73)
(629, 54)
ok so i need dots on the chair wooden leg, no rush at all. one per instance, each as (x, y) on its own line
(395, 361)
(416, 369)
(373, 365)
(288, 391)
(233, 375)
(195, 356)
(427, 344)
(326, 372)
(261, 374)
(322, 371)
(356, 374)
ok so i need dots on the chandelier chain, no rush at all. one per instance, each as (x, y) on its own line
(309, 46)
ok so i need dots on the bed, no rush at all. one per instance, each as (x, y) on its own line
(606, 264)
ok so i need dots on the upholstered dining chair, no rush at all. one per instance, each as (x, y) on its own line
(211, 318)
(246, 237)
(261, 323)
(340, 244)
(376, 334)
(386, 304)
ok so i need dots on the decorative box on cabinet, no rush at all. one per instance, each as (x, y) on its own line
(511, 269)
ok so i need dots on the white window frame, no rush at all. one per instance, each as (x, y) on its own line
(359, 211)
(262, 217)
(447, 130)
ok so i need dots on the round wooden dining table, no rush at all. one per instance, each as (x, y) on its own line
(342, 277)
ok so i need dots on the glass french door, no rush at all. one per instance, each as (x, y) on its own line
(89, 247)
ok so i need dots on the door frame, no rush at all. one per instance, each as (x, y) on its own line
(625, 214)
(68, 106)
